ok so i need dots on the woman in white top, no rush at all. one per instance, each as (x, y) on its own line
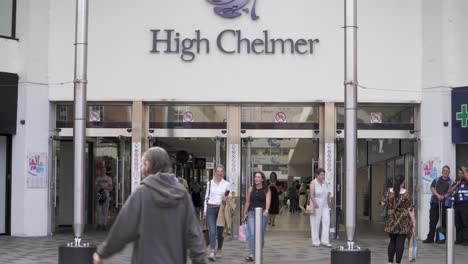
(216, 192)
(320, 200)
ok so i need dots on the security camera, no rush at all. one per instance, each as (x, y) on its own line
(316, 131)
(151, 131)
(243, 131)
(338, 131)
(446, 124)
(129, 130)
(58, 130)
(224, 131)
(411, 132)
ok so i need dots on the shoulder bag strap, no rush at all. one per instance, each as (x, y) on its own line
(209, 192)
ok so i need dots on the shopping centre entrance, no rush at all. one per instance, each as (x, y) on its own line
(285, 140)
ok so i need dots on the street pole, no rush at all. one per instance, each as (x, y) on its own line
(77, 252)
(258, 235)
(352, 254)
(79, 133)
(450, 236)
(350, 116)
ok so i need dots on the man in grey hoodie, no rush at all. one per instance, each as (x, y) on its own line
(158, 218)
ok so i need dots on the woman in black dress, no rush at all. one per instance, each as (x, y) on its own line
(274, 206)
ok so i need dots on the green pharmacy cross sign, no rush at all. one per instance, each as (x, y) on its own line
(462, 116)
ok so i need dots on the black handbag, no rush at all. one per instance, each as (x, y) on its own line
(206, 234)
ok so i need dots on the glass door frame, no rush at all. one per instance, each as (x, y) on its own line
(8, 169)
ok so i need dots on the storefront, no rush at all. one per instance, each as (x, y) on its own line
(259, 87)
(460, 124)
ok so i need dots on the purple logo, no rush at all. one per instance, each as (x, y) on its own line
(233, 8)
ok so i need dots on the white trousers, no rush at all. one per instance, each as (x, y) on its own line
(102, 212)
(322, 215)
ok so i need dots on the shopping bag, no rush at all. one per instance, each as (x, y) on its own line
(412, 248)
(242, 233)
(310, 208)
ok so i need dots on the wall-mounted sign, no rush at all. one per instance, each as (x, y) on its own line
(234, 167)
(280, 117)
(234, 8)
(229, 41)
(95, 116)
(136, 165)
(37, 170)
(330, 167)
(376, 118)
(460, 115)
(188, 117)
(431, 170)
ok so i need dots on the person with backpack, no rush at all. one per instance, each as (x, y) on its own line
(217, 192)
(103, 186)
(440, 201)
(158, 219)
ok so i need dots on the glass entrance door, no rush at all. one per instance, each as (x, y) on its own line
(106, 158)
(5, 183)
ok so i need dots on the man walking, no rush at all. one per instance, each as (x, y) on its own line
(158, 218)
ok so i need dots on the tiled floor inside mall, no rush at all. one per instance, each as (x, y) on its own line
(287, 242)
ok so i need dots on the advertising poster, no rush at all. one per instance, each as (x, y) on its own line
(234, 167)
(136, 165)
(37, 170)
(330, 166)
(431, 170)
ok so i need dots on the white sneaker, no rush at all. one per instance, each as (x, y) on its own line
(327, 245)
(212, 256)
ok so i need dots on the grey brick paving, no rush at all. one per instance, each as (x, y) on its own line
(284, 244)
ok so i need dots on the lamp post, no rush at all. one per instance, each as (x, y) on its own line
(351, 254)
(77, 251)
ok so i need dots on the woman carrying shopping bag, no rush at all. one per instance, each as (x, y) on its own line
(320, 199)
(258, 195)
(217, 193)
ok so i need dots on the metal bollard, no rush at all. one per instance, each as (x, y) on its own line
(450, 235)
(258, 235)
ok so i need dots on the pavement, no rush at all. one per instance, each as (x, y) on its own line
(285, 243)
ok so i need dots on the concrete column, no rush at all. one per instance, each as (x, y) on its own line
(139, 140)
(436, 145)
(327, 133)
(233, 156)
(30, 206)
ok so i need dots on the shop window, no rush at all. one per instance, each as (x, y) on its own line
(280, 117)
(384, 117)
(8, 19)
(98, 116)
(188, 116)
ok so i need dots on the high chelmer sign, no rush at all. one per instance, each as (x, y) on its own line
(228, 41)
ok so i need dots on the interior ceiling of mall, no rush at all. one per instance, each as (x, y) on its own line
(299, 152)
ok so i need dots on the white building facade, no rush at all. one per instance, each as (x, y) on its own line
(275, 63)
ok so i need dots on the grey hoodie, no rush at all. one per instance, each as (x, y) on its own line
(159, 218)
